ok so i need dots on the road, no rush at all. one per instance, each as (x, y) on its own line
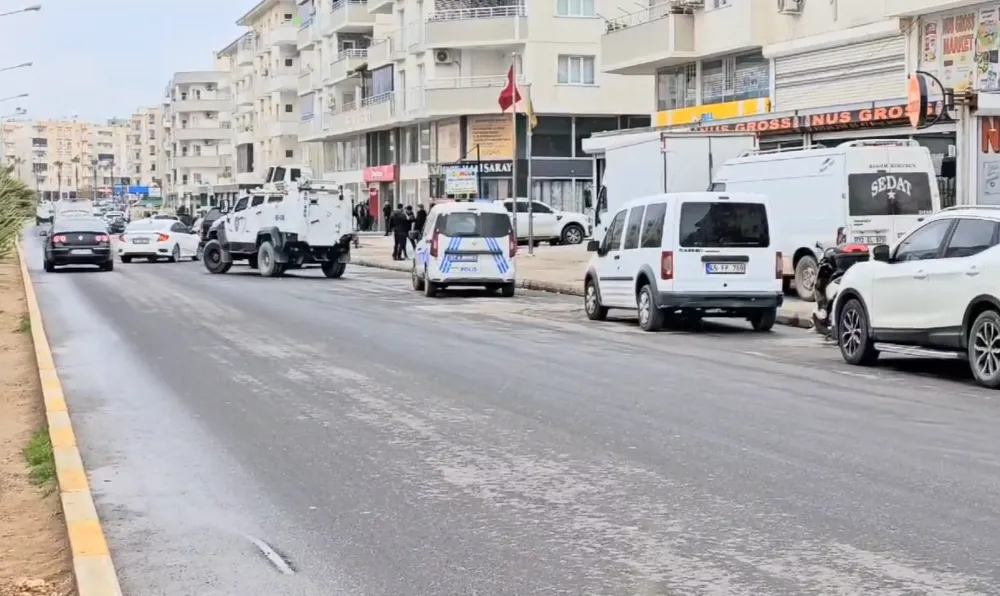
(324, 437)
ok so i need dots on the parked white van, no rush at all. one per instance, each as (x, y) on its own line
(866, 192)
(688, 255)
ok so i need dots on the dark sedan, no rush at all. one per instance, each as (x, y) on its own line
(79, 242)
(117, 226)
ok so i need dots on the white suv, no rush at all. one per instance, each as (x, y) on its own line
(557, 227)
(937, 288)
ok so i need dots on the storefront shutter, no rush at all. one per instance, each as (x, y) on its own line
(857, 73)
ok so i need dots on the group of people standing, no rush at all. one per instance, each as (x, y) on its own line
(404, 224)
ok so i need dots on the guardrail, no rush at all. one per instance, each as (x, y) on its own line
(463, 14)
(656, 11)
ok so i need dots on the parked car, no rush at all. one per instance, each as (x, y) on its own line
(82, 241)
(548, 224)
(155, 239)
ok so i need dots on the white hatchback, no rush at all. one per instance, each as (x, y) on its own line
(155, 239)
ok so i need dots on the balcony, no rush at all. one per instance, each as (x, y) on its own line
(373, 113)
(306, 38)
(201, 105)
(642, 42)
(245, 134)
(198, 161)
(246, 51)
(397, 45)
(380, 6)
(308, 82)
(285, 34)
(343, 66)
(245, 96)
(379, 53)
(282, 81)
(455, 96)
(283, 128)
(348, 16)
(310, 127)
(202, 134)
(470, 27)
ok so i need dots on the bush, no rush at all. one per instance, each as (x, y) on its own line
(17, 203)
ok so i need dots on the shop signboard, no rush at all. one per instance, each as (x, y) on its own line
(493, 135)
(892, 115)
(461, 180)
(962, 48)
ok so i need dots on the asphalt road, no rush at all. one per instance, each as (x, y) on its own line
(323, 437)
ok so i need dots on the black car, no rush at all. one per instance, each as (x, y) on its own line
(117, 226)
(205, 224)
(79, 242)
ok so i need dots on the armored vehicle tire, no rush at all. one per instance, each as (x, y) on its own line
(266, 263)
(212, 257)
(333, 270)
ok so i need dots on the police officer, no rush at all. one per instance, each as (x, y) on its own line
(400, 226)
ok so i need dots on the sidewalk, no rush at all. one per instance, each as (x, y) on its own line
(556, 269)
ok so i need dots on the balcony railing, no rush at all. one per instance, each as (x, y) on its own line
(461, 14)
(655, 11)
(351, 53)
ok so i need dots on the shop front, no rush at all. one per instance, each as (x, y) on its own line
(381, 188)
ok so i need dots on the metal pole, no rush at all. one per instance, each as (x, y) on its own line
(479, 173)
(513, 169)
(531, 210)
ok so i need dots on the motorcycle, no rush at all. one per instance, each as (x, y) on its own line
(833, 264)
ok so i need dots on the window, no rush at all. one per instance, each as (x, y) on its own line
(179, 228)
(257, 200)
(677, 87)
(289, 61)
(537, 207)
(971, 236)
(486, 225)
(735, 78)
(892, 193)
(553, 137)
(289, 108)
(586, 126)
(575, 8)
(924, 243)
(152, 150)
(274, 199)
(287, 17)
(613, 239)
(576, 70)
(289, 153)
(723, 224)
(241, 204)
(634, 228)
(652, 228)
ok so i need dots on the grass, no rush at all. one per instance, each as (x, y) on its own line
(24, 326)
(41, 461)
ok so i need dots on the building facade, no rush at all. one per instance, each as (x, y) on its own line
(394, 92)
(197, 136)
(68, 159)
(145, 147)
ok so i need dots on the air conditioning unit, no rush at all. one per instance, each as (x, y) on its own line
(445, 57)
(210, 87)
(792, 7)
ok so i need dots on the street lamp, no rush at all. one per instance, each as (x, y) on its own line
(3, 99)
(24, 65)
(33, 8)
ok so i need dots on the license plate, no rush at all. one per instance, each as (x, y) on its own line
(140, 241)
(725, 268)
(81, 251)
(466, 269)
(870, 240)
(464, 258)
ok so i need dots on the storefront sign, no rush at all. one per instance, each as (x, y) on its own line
(380, 174)
(841, 120)
(496, 169)
(988, 161)
(916, 101)
(960, 48)
(461, 180)
(709, 113)
(494, 136)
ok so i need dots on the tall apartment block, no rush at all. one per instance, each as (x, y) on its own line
(145, 147)
(67, 159)
(398, 91)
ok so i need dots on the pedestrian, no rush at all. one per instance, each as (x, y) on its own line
(386, 215)
(411, 233)
(421, 220)
(400, 226)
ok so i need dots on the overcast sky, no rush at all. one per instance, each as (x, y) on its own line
(101, 59)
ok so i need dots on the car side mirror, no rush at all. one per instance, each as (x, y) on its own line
(593, 246)
(881, 253)
(224, 208)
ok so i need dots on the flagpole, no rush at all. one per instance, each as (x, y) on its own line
(513, 168)
(527, 154)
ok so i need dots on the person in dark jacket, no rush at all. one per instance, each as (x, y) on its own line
(400, 226)
(386, 217)
(411, 233)
(421, 220)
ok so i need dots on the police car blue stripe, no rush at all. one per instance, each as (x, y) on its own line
(501, 262)
(449, 258)
(493, 252)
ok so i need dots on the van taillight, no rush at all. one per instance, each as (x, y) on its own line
(434, 245)
(513, 246)
(666, 265)
(779, 266)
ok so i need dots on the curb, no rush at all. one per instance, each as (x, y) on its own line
(92, 565)
(785, 317)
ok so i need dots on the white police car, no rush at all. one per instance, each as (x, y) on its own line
(465, 244)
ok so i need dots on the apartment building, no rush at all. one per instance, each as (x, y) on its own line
(397, 92)
(265, 67)
(68, 158)
(197, 136)
(145, 147)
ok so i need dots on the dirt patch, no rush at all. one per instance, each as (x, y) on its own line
(34, 551)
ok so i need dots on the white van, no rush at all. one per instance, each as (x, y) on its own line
(466, 244)
(688, 255)
(866, 192)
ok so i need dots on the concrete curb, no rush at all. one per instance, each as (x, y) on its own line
(92, 565)
(785, 316)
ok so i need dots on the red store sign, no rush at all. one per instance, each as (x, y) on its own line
(380, 174)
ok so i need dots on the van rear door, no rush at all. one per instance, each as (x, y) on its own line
(474, 244)
(889, 191)
(724, 245)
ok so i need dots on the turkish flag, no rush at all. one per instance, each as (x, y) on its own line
(510, 95)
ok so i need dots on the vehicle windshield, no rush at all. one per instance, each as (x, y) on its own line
(889, 193)
(472, 224)
(723, 224)
(149, 225)
(79, 225)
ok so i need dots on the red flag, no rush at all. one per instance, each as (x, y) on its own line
(510, 95)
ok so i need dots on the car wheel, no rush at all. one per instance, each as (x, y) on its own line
(175, 254)
(592, 302)
(764, 319)
(650, 316)
(854, 335)
(430, 288)
(265, 261)
(109, 266)
(507, 290)
(805, 278)
(212, 257)
(49, 266)
(126, 259)
(334, 270)
(416, 279)
(984, 349)
(572, 234)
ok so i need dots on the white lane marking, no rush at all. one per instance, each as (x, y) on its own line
(848, 373)
(752, 353)
(277, 560)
